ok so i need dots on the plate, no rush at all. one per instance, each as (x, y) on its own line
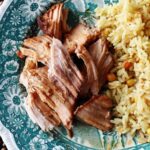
(17, 23)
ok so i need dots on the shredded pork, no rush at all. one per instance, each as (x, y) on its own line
(53, 22)
(38, 108)
(38, 48)
(55, 89)
(102, 57)
(65, 76)
(81, 35)
(92, 82)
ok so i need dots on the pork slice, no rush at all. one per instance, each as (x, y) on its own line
(61, 91)
(102, 57)
(35, 114)
(30, 64)
(64, 110)
(54, 21)
(108, 64)
(92, 81)
(99, 51)
(36, 80)
(81, 35)
(47, 111)
(39, 106)
(65, 78)
(72, 66)
(45, 98)
(62, 67)
(96, 112)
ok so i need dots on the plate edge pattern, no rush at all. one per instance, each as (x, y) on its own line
(8, 138)
(4, 7)
(6, 135)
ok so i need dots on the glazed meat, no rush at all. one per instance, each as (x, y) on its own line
(37, 48)
(102, 57)
(53, 22)
(66, 80)
(96, 112)
(81, 35)
(92, 81)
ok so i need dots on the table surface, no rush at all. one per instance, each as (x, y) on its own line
(1, 1)
(2, 145)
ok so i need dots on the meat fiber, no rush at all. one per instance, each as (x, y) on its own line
(56, 88)
(81, 35)
(66, 80)
(39, 109)
(54, 21)
(96, 112)
(37, 83)
(38, 48)
(40, 113)
(53, 90)
(92, 80)
(102, 57)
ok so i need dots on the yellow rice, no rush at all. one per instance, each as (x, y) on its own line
(127, 26)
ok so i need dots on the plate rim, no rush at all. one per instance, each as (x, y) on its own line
(5, 133)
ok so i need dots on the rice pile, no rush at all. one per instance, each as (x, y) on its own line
(127, 26)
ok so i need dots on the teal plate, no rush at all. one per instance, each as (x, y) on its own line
(18, 23)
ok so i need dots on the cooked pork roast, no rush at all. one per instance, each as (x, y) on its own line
(66, 79)
(38, 106)
(102, 57)
(55, 89)
(96, 112)
(81, 35)
(92, 81)
(37, 48)
(53, 22)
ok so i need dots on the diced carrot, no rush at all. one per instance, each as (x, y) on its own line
(111, 77)
(19, 54)
(128, 65)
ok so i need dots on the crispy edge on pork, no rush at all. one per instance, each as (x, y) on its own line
(37, 47)
(54, 21)
(81, 35)
(96, 112)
